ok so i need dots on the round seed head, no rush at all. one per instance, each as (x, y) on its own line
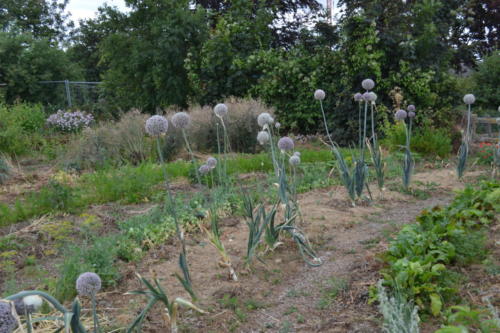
(411, 108)
(220, 110)
(8, 322)
(366, 96)
(277, 125)
(285, 144)
(28, 304)
(211, 162)
(371, 96)
(358, 97)
(88, 284)
(401, 115)
(368, 84)
(204, 169)
(498, 121)
(264, 119)
(411, 114)
(319, 95)
(294, 160)
(263, 137)
(469, 99)
(181, 120)
(156, 125)
(297, 153)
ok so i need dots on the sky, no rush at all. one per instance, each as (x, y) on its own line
(81, 9)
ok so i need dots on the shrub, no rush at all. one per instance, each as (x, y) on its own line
(111, 143)
(487, 82)
(5, 169)
(70, 121)
(20, 128)
(427, 141)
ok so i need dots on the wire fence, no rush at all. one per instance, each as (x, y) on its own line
(73, 94)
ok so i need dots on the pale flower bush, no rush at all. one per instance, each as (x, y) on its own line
(70, 121)
(400, 316)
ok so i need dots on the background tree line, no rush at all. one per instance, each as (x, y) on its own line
(164, 53)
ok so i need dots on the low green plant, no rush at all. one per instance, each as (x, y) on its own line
(400, 315)
(5, 169)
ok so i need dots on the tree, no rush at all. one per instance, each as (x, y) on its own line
(145, 56)
(26, 61)
(41, 18)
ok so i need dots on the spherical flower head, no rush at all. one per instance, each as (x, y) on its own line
(498, 121)
(411, 108)
(8, 321)
(358, 97)
(319, 95)
(156, 125)
(277, 125)
(368, 84)
(469, 99)
(211, 162)
(220, 110)
(371, 96)
(204, 169)
(28, 304)
(263, 137)
(411, 114)
(294, 160)
(264, 119)
(88, 284)
(297, 153)
(285, 144)
(181, 120)
(366, 96)
(401, 115)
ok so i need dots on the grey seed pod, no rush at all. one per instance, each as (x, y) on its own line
(181, 120)
(220, 110)
(88, 284)
(368, 84)
(264, 119)
(401, 115)
(358, 97)
(469, 99)
(263, 137)
(285, 144)
(211, 162)
(156, 125)
(319, 95)
(294, 160)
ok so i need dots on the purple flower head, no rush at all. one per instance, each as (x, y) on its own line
(411, 108)
(181, 120)
(156, 125)
(277, 125)
(28, 304)
(285, 144)
(204, 169)
(371, 96)
(263, 137)
(294, 160)
(401, 115)
(8, 322)
(368, 84)
(211, 162)
(88, 284)
(469, 99)
(358, 97)
(264, 119)
(411, 114)
(220, 110)
(319, 95)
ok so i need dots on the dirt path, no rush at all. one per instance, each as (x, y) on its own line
(283, 294)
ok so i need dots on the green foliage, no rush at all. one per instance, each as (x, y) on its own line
(427, 140)
(421, 255)
(5, 169)
(487, 82)
(21, 128)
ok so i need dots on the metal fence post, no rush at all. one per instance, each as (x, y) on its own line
(68, 93)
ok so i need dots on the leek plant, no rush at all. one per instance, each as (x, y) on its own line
(156, 126)
(155, 293)
(463, 151)
(376, 153)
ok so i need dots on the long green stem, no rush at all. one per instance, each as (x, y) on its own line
(359, 125)
(219, 165)
(94, 315)
(273, 154)
(191, 154)
(373, 121)
(364, 133)
(326, 125)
